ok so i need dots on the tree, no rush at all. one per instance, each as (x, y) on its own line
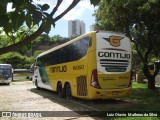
(12, 38)
(26, 11)
(140, 20)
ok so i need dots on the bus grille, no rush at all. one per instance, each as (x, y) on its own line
(112, 65)
(82, 85)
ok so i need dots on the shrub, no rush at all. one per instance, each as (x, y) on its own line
(17, 60)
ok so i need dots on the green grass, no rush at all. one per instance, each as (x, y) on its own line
(141, 99)
(138, 85)
(145, 99)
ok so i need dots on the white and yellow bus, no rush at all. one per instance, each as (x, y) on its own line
(96, 65)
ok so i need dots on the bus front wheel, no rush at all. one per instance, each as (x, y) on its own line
(68, 92)
(36, 83)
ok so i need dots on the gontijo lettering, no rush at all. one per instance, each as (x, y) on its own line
(114, 55)
(58, 69)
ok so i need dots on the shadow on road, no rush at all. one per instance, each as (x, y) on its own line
(82, 107)
(3, 84)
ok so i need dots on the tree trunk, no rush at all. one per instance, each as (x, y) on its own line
(151, 83)
(150, 78)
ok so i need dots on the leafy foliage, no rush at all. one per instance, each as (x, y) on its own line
(95, 2)
(17, 60)
(3, 41)
(23, 11)
(36, 53)
(46, 39)
(12, 38)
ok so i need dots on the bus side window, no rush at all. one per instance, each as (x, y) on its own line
(90, 42)
(73, 52)
(70, 52)
(82, 47)
(51, 58)
(64, 54)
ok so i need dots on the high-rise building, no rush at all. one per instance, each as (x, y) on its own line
(75, 28)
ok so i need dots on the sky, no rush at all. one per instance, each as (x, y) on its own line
(83, 11)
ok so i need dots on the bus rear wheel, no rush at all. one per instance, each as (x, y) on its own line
(60, 90)
(68, 93)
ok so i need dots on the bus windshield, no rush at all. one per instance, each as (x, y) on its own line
(5, 72)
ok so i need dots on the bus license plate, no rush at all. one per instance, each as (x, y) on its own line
(115, 93)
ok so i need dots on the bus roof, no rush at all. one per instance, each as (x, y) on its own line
(111, 32)
(5, 64)
(65, 44)
(75, 39)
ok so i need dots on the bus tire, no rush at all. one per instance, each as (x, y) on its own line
(68, 93)
(60, 91)
(36, 83)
